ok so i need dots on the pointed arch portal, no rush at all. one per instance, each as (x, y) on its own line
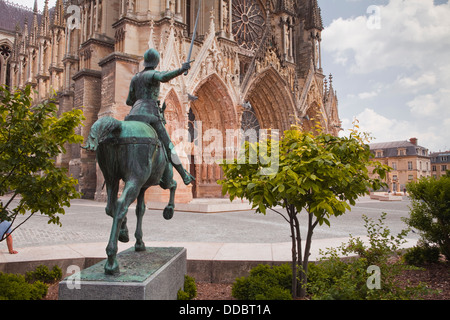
(271, 100)
(214, 112)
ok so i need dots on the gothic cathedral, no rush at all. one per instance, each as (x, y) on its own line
(257, 65)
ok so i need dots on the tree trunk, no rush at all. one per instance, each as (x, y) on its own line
(304, 273)
(294, 253)
(299, 257)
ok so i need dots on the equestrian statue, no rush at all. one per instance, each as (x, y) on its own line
(138, 151)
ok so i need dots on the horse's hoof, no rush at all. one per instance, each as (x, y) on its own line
(112, 269)
(123, 236)
(168, 212)
(139, 246)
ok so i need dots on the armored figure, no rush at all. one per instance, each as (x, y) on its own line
(143, 97)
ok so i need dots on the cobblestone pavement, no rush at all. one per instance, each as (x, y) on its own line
(85, 221)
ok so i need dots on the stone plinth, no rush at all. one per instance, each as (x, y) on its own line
(154, 274)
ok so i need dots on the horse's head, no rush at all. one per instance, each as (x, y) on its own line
(100, 131)
(91, 143)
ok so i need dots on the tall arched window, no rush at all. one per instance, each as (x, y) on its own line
(5, 70)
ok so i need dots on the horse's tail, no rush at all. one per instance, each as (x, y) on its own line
(100, 131)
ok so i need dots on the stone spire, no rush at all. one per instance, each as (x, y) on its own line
(35, 25)
(314, 16)
(45, 22)
(59, 14)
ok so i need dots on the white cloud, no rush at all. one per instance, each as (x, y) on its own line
(367, 95)
(403, 68)
(417, 81)
(436, 105)
(424, 105)
(383, 129)
(380, 127)
(446, 123)
(413, 34)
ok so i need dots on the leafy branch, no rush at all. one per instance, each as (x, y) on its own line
(31, 138)
(318, 173)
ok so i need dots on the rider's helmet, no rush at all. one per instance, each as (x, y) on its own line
(151, 58)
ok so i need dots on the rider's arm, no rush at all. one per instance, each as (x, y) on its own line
(169, 75)
(131, 95)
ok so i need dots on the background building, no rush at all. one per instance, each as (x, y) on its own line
(440, 163)
(408, 160)
(257, 66)
(13, 17)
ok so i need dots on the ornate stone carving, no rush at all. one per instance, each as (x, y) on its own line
(248, 23)
(271, 59)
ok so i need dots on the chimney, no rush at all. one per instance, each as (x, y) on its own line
(413, 141)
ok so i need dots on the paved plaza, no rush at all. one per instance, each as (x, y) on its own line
(86, 222)
(220, 246)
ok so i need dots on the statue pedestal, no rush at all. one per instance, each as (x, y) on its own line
(154, 274)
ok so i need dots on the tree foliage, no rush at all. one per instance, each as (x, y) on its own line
(31, 137)
(318, 174)
(430, 211)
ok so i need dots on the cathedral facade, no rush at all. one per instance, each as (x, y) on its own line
(257, 65)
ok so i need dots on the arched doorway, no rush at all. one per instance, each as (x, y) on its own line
(173, 113)
(212, 113)
(271, 100)
(176, 126)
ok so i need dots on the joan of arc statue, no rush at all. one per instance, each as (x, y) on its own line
(143, 98)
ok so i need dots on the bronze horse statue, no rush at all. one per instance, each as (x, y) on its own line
(138, 151)
(129, 151)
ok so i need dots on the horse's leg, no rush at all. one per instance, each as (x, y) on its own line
(130, 193)
(123, 233)
(167, 182)
(140, 210)
(169, 209)
(112, 188)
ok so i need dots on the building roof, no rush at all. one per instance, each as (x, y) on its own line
(391, 144)
(440, 157)
(440, 153)
(390, 149)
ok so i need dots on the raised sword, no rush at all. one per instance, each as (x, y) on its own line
(193, 36)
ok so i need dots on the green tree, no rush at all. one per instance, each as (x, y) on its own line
(320, 175)
(430, 211)
(31, 137)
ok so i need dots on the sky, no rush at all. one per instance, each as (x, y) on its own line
(391, 74)
(390, 61)
(30, 3)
